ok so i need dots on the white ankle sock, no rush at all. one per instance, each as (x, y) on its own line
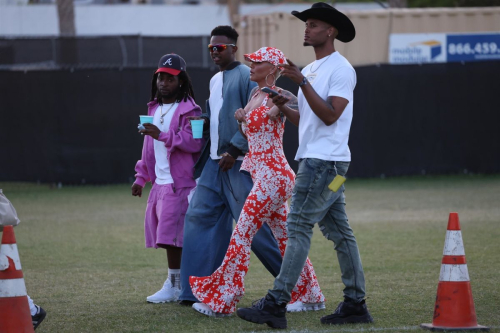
(33, 308)
(175, 277)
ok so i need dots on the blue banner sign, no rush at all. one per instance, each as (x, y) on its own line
(473, 47)
(441, 47)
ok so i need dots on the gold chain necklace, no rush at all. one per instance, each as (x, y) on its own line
(313, 71)
(164, 114)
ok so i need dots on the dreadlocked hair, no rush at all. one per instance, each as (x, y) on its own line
(185, 90)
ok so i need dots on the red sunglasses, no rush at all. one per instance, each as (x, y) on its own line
(218, 47)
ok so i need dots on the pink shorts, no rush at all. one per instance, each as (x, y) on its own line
(164, 221)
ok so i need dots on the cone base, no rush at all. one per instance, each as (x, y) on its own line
(15, 315)
(431, 327)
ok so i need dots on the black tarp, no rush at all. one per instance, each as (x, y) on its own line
(79, 126)
(429, 119)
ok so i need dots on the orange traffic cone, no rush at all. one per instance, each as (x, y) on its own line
(454, 309)
(15, 313)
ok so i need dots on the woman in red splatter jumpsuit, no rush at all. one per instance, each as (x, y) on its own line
(267, 202)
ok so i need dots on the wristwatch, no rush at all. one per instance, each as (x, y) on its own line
(304, 81)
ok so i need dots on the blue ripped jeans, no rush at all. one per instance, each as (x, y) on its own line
(313, 202)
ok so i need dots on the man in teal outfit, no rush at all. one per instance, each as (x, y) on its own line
(222, 189)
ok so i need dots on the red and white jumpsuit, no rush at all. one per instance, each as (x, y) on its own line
(273, 182)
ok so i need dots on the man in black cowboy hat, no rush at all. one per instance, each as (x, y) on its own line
(324, 118)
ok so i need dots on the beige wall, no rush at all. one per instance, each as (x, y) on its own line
(373, 28)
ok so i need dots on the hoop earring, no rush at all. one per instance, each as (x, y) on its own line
(274, 80)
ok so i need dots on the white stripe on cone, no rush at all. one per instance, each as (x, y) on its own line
(4, 262)
(453, 244)
(10, 250)
(12, 288)
(454, 273)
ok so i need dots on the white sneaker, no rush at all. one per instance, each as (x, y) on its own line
(205, 309)
(299, 306)
(166, 294)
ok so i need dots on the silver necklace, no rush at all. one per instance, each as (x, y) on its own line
(313, 71)
(164, 114)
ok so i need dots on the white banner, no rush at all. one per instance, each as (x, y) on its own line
(417, 48)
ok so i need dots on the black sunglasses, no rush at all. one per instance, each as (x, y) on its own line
(218, 47)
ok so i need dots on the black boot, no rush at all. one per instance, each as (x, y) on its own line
(349, 312)
(265, 311)
(38, 317)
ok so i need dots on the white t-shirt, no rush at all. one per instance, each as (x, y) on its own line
(332, 75)
(162, 168)
(215, 101)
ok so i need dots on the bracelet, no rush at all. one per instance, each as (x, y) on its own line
(304, 81)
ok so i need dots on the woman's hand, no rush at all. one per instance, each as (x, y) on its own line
(240, 115)
(273, 113)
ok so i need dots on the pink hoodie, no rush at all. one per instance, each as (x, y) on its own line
(182, 149)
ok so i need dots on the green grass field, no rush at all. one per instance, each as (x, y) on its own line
(84, 261)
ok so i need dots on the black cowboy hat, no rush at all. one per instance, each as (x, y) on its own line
(326, 13)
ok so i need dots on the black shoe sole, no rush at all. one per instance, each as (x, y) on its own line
(364, 319)
(270, 320)
(186, 302)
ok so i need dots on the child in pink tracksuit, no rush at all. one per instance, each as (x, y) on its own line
(168, 156)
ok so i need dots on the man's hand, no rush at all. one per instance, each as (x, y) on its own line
(292, 72)
(137, 190)
(150, 130)
(226, 162)
(197, 118)
(280, 100)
